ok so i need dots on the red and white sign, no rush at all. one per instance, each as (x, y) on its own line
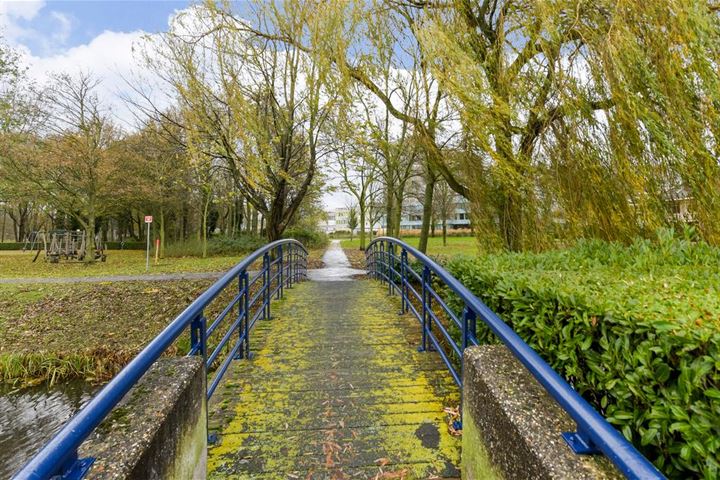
(148, 218)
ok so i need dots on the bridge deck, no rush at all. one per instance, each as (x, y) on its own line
(336, 390)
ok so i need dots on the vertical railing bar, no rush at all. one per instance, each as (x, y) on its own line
(246, 314)
(238, 355)
(391, 279)
(403, 274)
(424, 309)
(266, 286)
(280, 272)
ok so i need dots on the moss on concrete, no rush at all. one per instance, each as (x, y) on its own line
(476, 463)
(336, 389)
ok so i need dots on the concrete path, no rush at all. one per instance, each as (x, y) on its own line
(337, 266)
(336, 390)
(116, 278)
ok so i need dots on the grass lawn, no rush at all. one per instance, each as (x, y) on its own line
(455, 245)
(14, 264)
(51, 331)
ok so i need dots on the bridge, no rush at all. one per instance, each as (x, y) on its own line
(329, 377)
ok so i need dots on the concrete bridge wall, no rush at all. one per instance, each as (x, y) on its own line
(158, 431)
(512, 427)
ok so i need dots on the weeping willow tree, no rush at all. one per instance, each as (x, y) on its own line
(590, 117)
(252, 106)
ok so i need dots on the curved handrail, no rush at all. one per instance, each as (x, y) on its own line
(591, 425)
(60, 453)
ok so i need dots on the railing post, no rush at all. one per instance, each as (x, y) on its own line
(266, 286)
(469, 326)
(246, 314)
(382, 258)
(198, 338)
(291, 259)
(425, 308)
(369, 264)
(241, 313)
(281, 267)
(580, 442)
(403, 279)
(391, 267)
(75, 467)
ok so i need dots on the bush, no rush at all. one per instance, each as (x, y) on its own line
(242, 244)
(636, 330)
(451, 232)
(231, 246)
(11, 246)
(308, 237)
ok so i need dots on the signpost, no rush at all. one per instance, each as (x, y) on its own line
(148, 221)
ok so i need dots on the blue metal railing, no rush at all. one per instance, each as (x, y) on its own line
(387, 261)
(284, 262)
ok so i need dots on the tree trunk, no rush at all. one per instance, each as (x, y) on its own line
(90, 239)
(511, 222)
(388, 213)
(253, 218)
(362, 226)
(206, 210)
(162, 232)
(427, 212)
(398, 193)
(444, 231)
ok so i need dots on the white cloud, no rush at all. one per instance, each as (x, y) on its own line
(12, 13)
(64, 22)
(108, 57)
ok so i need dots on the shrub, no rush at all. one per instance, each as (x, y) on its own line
(636, 330)
(232, 246)
(308, 237)
(235, 245)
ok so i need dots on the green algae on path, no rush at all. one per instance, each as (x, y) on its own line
(336, 389)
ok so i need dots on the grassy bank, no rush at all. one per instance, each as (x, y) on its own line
(53, 332)
(455, 245)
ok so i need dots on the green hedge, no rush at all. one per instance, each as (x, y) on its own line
(11, 246)
(308, 237)
(636, 330)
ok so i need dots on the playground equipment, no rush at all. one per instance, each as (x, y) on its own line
(63, 244)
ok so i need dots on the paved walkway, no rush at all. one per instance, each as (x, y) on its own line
(336, 390)
(337, 266)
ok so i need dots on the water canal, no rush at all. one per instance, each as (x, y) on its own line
(30, 416)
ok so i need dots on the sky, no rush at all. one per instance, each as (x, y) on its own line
(96, 37)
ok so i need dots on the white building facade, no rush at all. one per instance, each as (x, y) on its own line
(336, 219)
